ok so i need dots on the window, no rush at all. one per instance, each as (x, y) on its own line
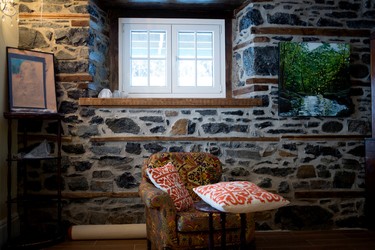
(172, 58)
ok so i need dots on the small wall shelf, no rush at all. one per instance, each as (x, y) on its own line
(51, 232)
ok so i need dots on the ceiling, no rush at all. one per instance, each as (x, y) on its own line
(227, 5)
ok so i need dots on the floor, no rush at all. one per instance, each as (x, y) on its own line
(282, 240)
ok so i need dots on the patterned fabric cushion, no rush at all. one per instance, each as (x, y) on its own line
(167, 179)
(195, 169)
(239, 197)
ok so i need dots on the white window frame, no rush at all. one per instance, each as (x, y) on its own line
(172, 26)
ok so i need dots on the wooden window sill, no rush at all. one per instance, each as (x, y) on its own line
(171, 102)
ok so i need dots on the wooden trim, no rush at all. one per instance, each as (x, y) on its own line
(161, 10)
(249, 87)
(76, 77)
(262, 80)
(170, 102)
(39, 15)
(310, 31)
(370, 180)
(242, 91)
(242, 45)
(90, 195)
(180, 138)
(372, 66)
(324, 137)
(228, 58)
(308, 194)
(37, 137)
(222, 139)
(246, 4)
(113, 51)
(113, 34)
(33, 115)
(80, 23)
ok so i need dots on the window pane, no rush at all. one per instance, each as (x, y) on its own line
(158, 44)
(139, 73)
(186, 45)
(172, 58)
(204, 73)
(139, 47)
(186, 73)
(204, 45)
(158, 73)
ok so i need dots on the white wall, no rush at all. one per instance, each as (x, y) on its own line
(8, 37)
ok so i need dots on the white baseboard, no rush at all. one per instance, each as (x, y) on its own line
(4, 229)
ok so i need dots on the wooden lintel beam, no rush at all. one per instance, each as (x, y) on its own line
(181, 138)
(317, 194)
(91, 195)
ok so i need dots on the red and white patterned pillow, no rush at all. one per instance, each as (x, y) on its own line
(239, 197)
(167, 179)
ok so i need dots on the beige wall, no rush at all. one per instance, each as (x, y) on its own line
(8, 37)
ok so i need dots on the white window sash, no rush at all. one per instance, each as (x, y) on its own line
(172, 27)
(126, 65)
(216, 89)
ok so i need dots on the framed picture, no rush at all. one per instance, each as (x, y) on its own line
(31, 77)
(314, 79)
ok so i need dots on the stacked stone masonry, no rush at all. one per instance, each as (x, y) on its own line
(287, 165)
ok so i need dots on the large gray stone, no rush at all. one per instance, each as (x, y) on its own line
(126, 180)
(81, 166)
(252, 17)
(73, 148)
(105, 150)
(78, 183)
(306, 171)
(133, 148)
(108, 160)
(332, 127)
(122, 125)
(344, 179)
(31, 38)
(280, 172)
(87, 131)
(261, 61)
(101, 186)
(285, 18)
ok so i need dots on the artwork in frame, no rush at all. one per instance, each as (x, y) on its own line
(31, 77)
(314, 79)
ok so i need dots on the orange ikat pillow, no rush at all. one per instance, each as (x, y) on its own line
(239, 197)
(167, 179)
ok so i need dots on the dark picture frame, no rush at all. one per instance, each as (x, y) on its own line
(314, 79)
(31, 78)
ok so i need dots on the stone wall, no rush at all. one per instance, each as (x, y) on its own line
(316, 163)
(261, 25)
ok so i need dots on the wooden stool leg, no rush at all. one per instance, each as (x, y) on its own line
(243, 231)
(148, 244)
(211, 228)
(223, 231)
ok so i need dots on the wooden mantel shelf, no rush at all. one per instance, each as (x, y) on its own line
(171, 102)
